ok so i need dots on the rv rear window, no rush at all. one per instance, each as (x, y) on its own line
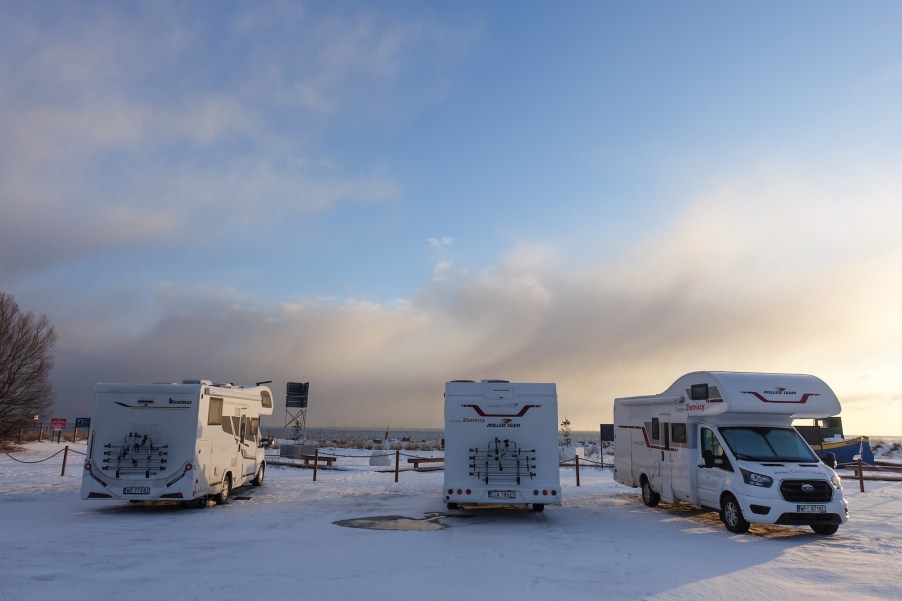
(214, 417)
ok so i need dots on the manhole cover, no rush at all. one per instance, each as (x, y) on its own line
(395, 522)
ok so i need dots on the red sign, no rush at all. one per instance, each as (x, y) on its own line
(58, 423)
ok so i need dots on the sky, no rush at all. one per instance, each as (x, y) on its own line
(379, 197)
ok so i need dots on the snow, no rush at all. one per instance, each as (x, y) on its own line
(283, 543)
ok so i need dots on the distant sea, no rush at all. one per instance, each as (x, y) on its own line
(376, 434)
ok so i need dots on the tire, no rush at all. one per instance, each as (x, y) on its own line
(453, 506)
(825, 529)
(199, 502)
(225, 493)
(649, 497)
(538, 507)
(731, 515)
(258, 477)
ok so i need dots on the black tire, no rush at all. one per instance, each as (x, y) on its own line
(649, 497)
(538, 507)
(825, 529)
(225, 492)
(453, 506)
(199, 502)
(731, 515)
(258, 477)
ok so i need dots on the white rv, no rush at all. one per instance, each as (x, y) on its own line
(725, 441)
(174, 442)
(501, 444)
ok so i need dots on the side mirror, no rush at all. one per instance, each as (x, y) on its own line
(830, 460)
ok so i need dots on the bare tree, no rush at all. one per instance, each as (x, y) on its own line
(26, 347)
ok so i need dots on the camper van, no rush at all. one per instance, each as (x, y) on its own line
(725, 441)
(501, 444)
(186, 442)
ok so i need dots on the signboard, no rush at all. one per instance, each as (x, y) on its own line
(58, 423)
(296, 394)
(82, 422)
(607, 432)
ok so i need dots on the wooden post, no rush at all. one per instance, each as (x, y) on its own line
(315, 462)
(65, 456)
(860, 475)
(41, 433)
(397, 463)
(576, 459)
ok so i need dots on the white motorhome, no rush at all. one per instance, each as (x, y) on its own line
(183, 442)
(501, 444)
(725, 441)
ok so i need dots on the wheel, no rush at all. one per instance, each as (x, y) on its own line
(258, 478)
(453, 506)
(223, 497)
(825, 529)
(199, 502)
(649, 497)
(538, 507)
(731, 514)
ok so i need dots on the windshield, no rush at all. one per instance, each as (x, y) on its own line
(764, 443)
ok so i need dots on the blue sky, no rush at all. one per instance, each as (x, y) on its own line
(378, 197)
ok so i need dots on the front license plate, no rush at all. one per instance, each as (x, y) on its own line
(136, 490)
(502, 494)
(812, 508)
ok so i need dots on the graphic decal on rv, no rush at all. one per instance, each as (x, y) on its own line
(647, 441)
(181, 405)
(781, 391)
(482, 413)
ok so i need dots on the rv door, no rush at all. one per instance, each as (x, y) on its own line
(666, 458)
(712, 467)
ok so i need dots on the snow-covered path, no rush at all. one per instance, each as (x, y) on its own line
(283, 543)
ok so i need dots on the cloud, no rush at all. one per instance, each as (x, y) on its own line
(132, 115)
(739, 281)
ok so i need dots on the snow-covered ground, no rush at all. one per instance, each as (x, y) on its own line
(283, 543)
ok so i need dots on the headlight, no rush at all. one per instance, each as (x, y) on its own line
(756, 479)
(837, 483)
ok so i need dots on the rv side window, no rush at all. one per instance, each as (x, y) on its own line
(266, 399)
(254, 428)
(678, 432)
(655, 429)
(214, 417)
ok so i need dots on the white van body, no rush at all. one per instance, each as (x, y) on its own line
(725, 441)
(174, 442)
(501, 444)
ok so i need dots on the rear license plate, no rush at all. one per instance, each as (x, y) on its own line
(136, 490)
(502, 494)
(811, 508)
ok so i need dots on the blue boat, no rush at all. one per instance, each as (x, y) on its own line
(826, 436)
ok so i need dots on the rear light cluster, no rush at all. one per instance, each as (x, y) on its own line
(545, 492)
(460, 491)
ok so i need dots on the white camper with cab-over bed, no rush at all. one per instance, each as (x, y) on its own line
(185, 442)
(501, 444)
(725, 441)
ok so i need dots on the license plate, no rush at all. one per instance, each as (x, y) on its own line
(812, 508)
(136, 490)
(502, 494)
